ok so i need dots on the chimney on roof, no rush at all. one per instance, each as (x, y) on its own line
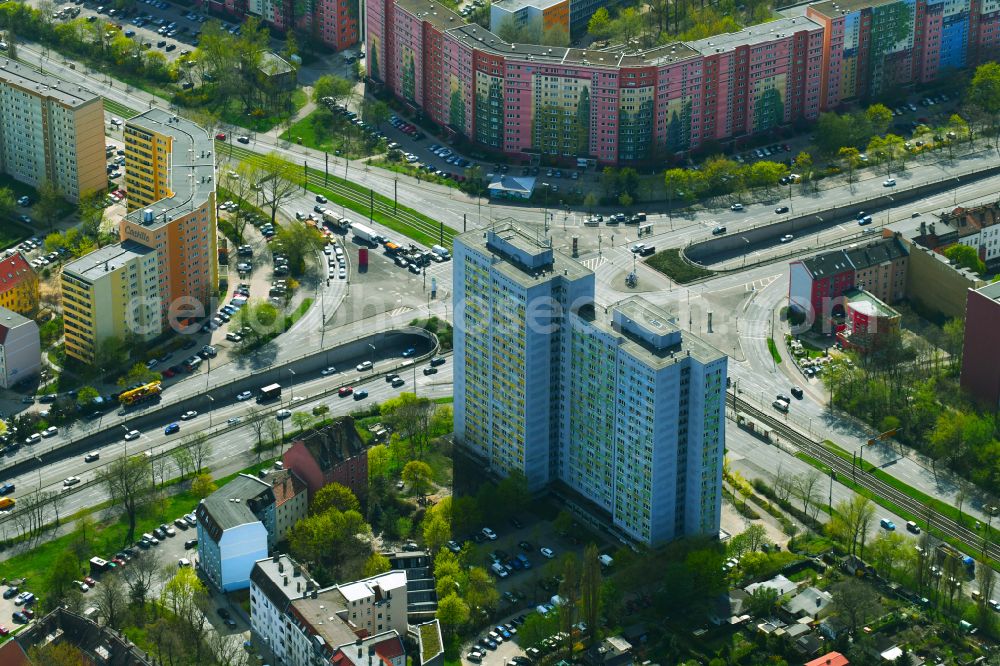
(286, 581)
(281, 565)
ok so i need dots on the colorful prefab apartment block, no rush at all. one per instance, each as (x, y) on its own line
(623, 106)
(333, 23)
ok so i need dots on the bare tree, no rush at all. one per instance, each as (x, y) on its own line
(128, 482)
(240, 182)
(986, 582)
(160, 469)
(280, 180)
(274, 434)
(855, 602)
(590, 589)
(140, 575)
(228, 649)
(806, 487)
(182, 461)
(200, 448)
(569, 590)
(256, 419)
(111, 600)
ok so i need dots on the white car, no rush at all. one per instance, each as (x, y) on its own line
(131, 435)
(244, 395)
(188, 415)
(80, 584)
(51, 431)
(70, 481)
(489, 534)
(889, 182)
(283, 414)
(326, 372)
(787, 238)
(364, 365)
(547, 553)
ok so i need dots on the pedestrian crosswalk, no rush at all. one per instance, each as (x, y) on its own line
(594, 262)
(400, 311)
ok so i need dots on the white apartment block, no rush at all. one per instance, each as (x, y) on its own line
(616, 403)
(360, 622)
(20, 348)
(50, 130)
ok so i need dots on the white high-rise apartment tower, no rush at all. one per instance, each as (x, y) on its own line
(615, 403)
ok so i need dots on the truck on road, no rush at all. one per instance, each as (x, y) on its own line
(335, 221)
(366, 234)
(269, 392)
(441, 252)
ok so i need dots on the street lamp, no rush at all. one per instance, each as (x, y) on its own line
(373, 356)
(291, 388)
(211, 408)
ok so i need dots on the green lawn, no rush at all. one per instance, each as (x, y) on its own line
(773, 348)
(410, 170)
(233, 114)
(670, 263)
(119, 109)
(340, 138)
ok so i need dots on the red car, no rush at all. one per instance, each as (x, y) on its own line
(89, 581)
(345, 391)
(117, 560)
(220, 136)
(4, 630)
(168, 373)
(28, 613)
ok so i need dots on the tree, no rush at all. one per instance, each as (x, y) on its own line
(376, 564)
(437, 532)
(762, 601)
(569, 590)
(91, 213)
(240, 183)
(599, 25)
(452, 612)
(879, 115)
(590, 589)
(806, 489)
(57, 654)
(417, 475)
(378, 461)
(850, 523)
(59, 583)
(677, 183)
(128, 482)
(297, 242)
(138, 374)
(86, 395)
(804, 165)
(202, 486)
(182, 461)
(984, 92)
(512, 492)
(985, 582)
(50, 203)
(185, 596)
(140, 577)
(111, 601)
(850, 157)
(280, 181)
(855, 602)
(334, 496)
(335, 87)
(966, 257)
(479, 590)
(409, 416)
(200, 447)
(301, 420)
(8, 203)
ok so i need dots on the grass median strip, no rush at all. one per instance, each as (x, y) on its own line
(119, 109)
(773, 348)
(670, 263)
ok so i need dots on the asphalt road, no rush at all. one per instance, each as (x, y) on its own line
(230, 444)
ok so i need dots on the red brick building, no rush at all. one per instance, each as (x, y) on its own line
(867, 320)
(334, 454)
(817, 285)
(981, 354)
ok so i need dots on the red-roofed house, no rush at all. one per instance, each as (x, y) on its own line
(18, 285)
(829, 659)
(291, 500)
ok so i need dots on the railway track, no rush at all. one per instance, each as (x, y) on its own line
(972, 541)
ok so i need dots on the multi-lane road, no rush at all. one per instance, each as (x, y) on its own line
(231, 443)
